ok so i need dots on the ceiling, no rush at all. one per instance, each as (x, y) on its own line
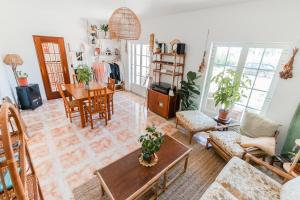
(156, 8)
(102, 9)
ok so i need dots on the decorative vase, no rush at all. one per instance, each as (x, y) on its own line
(148, 162)
(223, 114)
(23, 81)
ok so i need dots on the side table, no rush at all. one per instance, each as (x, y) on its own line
(223, 122)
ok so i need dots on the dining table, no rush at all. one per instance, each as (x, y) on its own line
(80, 93)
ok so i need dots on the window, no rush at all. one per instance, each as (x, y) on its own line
(139, 61)
(258, 62)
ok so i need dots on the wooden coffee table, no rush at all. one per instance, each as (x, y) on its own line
(127, 179)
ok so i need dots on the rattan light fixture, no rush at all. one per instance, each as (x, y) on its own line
(124, 24)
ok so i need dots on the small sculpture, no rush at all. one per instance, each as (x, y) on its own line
(287, 71)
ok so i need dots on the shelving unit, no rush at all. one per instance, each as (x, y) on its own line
(178, 64)
(166, 64)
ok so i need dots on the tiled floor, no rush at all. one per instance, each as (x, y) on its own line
(65, 155)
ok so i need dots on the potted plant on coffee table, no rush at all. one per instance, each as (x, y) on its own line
(84, 74)
(151, 142)
(231, 88)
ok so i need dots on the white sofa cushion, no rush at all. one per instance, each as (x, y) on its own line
(248, 183)
(217, 191)
(291, 190)
(254, 125)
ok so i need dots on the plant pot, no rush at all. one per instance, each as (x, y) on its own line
(223, 114)
(23, 81)
(148, 162)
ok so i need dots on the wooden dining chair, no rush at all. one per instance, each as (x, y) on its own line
(71, 106)
(111, 85)
(97, 104)
(18, 179)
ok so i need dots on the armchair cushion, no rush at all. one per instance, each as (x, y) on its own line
(195, 120)
(290, 190)
(246, 182)
(228, 141)
(254, 125)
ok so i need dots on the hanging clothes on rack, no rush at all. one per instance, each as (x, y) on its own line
(99, 72)
(107, 72)
(115, 72)
(121, 69)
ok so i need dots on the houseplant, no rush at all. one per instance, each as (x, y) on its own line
(104, 28)
(84, 74)
(22, 78)
(151, 142)
(189, 91)
(230, 90)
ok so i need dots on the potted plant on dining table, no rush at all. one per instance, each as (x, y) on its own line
(151, 142)
(231, 88)
(84, 75)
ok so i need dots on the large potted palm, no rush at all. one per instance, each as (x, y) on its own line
(231, 88)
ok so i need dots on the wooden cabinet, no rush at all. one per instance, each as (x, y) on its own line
(162, 104)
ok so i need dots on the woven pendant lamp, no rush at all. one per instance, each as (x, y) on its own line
(124, 24)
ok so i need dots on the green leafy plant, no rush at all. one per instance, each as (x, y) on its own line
(151, 142)
(104, 28)
(189, 92)
(21, 74)
(84, 74)
(230, 88)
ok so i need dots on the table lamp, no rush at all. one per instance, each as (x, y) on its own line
(13, 60)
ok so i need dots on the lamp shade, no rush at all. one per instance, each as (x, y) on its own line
(13, 59)
(124, 24)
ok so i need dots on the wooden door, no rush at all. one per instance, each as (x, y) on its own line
(53, 63)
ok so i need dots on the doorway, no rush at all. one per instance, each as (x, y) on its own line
(53, 63)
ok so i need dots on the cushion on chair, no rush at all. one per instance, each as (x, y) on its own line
(246, 182)
(228, 141)
(217, 191)
(254, 125)
(195, 120)
(291, 190)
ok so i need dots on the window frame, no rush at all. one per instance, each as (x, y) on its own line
(286, 49)
(133, 64)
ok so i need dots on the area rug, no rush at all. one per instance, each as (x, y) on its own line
(204, 165)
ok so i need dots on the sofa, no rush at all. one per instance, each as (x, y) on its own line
(241, 181)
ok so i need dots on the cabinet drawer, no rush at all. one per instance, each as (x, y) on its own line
(162, 105)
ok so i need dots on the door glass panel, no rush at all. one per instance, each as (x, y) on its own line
(53, 64)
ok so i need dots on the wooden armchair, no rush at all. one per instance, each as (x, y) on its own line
(18, 179)
(228, 143)
(97, 104)
(71, 106)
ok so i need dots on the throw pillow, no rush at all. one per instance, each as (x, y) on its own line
(254, 125)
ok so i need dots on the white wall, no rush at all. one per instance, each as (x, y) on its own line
(21, 19)
(265, 21)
